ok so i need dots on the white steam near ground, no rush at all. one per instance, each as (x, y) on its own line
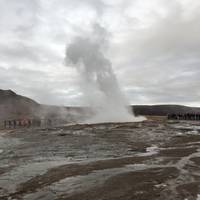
(98, 82)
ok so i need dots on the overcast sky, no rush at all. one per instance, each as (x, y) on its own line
(154, 47)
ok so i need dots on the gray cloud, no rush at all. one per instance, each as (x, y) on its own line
(154, 47)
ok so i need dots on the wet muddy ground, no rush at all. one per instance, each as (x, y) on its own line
(116, 161)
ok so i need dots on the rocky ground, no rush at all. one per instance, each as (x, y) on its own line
(117, 161)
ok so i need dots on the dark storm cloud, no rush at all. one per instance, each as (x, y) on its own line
(155, 47)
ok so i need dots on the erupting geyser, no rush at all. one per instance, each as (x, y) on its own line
(98, 82)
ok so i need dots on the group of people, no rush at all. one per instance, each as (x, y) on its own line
(184, 116)
(17, 123)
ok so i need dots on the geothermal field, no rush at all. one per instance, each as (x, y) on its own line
(104, 152)
(137, 160)
(99, 100)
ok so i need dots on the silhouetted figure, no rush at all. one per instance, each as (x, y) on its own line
(29, 123)
(49, 123)
(184, 116)
(9, 123)
(24, 123)
(14, 123)
(20, 123)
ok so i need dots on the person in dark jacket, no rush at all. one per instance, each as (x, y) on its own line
(9, 123)
(14, 123)
(29, 123)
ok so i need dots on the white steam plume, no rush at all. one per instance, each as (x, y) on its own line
(98, 82)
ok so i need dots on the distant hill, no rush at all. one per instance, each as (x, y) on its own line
(163, 110)
(13, 106)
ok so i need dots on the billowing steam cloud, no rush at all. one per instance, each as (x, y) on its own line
(98, 82)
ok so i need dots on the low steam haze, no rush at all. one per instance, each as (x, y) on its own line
(154, 48)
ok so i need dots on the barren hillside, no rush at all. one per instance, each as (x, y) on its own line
(13, 105)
